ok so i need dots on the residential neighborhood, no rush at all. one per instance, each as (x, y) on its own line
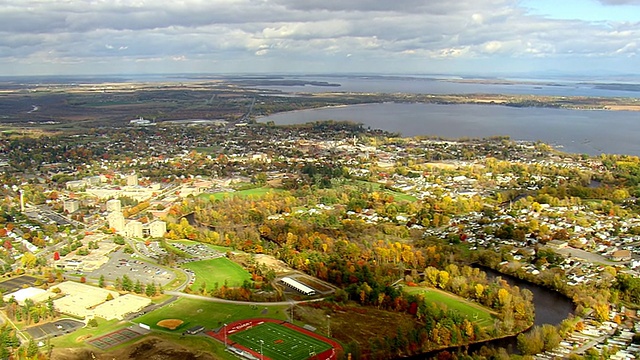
(101, 218)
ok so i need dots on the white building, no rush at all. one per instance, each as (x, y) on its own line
(298, 286)
(120, 306)
(75, 185)
(80, 299)
(132, 180)
(133, 229)
(71, 206)
(35, 294)
(93, 180)
(116, 220)
(114, 205)
(157, 229)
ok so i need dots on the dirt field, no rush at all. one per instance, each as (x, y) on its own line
(170, 324)
(379, 324)
(149, 348)
(277, 265)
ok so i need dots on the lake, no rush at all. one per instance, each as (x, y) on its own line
(413, 84)
(590, 132)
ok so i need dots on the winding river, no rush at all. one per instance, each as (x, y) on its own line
(551, 308)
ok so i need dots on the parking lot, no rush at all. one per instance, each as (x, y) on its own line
(16, 284)
(53, 329)
(135, 268)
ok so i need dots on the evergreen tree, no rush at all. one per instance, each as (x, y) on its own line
(138, 288)
(150, 289)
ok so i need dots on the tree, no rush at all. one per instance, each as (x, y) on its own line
(101, 281)
(127, 283)
(137, 288)
(32, 348)
(601, 312)
(479, 289)
(443, 279)
(150, 289)
(28, 260)
(431, 275)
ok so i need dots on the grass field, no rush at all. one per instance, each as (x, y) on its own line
(279, 342)
(217, 271)
(209, 314)
(71, 340)
(257, 192)
(475, 312)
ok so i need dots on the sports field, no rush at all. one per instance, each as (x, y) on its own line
(208, 314)
(257, 192)
(217, 271)
(279, 342)
(114, 338)
(474, 312)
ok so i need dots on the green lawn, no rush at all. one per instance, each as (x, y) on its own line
(257, 192)
(474, 312)
(209, 314)
(217, 271)
(71, 340)
(279, 342)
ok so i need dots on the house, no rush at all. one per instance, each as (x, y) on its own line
(557, 244)
(194, 330)
(621, 255)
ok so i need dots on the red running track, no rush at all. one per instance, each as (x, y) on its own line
(237, 326)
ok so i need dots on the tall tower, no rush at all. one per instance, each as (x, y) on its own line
(21, 200)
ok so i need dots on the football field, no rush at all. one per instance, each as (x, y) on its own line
(279, 342)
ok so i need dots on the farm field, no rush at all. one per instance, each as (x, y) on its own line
(279, 342)
(475, 312)
(209, 314)
(217, 271)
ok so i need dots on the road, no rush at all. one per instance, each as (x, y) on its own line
(238, 302)
(60, 219)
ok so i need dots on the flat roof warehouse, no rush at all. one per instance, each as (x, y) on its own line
(298, 286)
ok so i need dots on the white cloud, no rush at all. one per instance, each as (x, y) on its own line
(397, 34)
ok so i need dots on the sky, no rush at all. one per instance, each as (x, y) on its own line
(482, 37)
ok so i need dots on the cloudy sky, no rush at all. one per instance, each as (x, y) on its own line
(319, 36)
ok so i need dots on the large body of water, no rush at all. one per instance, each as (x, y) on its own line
(429, 85)
(590, 132)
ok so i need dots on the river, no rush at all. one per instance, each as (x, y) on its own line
(551, 308)
(590, 132)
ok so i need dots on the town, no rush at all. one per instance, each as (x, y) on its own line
(145, 229)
